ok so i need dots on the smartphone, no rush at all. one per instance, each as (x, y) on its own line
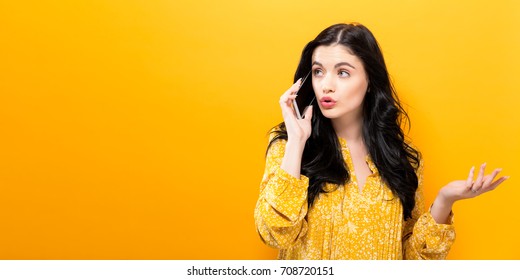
(304, 99)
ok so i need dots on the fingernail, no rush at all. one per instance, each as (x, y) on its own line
(507, 177)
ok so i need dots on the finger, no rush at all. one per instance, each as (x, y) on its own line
(469, 181)
(286, 100)
(296, 86)
(495, 184)
(288, 112)
(293, 89)
(488, 179)
(478, 183)
(290, 94)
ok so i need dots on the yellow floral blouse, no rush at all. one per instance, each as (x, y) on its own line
(344, 223)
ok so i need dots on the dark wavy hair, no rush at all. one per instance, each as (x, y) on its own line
(395, 159)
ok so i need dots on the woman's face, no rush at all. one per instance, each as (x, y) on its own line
(339, 81)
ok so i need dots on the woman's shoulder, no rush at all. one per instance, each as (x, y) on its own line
(277, 140)
(277, 133)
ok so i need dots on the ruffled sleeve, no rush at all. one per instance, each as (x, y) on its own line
(282, 205)
(423, 237)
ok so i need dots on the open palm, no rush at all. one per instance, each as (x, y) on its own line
(469, 188)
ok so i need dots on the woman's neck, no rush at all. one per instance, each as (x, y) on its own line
(350, 129)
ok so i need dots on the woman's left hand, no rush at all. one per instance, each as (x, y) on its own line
(463, 189)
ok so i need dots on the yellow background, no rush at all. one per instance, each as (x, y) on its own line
(137, 129)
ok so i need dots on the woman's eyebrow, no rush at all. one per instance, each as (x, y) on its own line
(335, 66)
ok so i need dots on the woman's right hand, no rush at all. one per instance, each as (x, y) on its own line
(297, 130)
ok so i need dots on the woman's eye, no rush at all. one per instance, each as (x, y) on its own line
(344, 73)
(317, 72)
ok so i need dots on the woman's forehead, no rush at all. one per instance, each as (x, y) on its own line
(334, 54)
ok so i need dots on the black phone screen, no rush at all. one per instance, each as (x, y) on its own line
(305, 95)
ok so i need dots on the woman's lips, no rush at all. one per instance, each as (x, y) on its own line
(327, 102)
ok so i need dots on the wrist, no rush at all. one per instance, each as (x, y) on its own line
(443, 201)
(295, 144)
(441, 209)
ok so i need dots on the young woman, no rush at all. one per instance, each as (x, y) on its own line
(342, 182)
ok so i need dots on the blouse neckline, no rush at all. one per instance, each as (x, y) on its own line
(368, 158)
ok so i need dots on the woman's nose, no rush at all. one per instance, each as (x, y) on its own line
(327, 85)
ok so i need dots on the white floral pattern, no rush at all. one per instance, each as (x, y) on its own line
(344, 223)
